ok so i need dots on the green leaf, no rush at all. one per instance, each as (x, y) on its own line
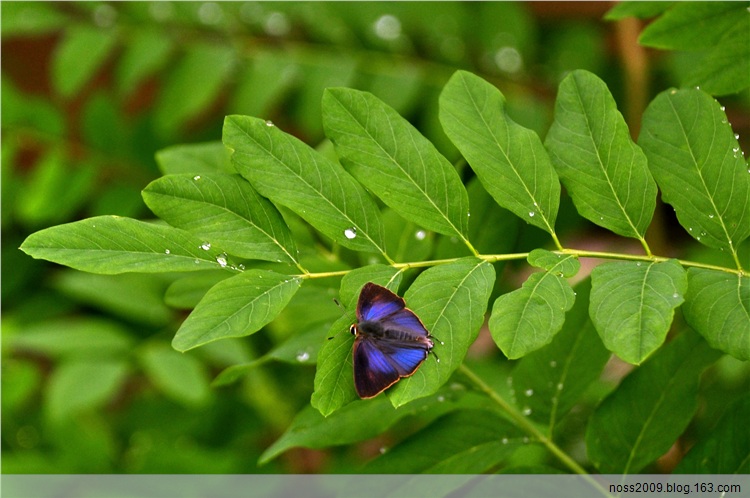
(110, 244)
(451, 300)
(82, 337)
(360, 420)
(395, 162)
(694, 25)
(528, 318)
(550, 381)
(31, 19)
(563, 265)
(696, 161)
(717, 305)
(224, 209)
(637, 9)
(179, 376)
(632, 305)
(509, 159)
(288, 172)
(264, 81)
(722, 69)
(469, 441)
(334, 377)
(79, 385)
(136, 297)
(79, 55)
(651, 407)
(604, 172)
(236, 307)
(207, 157)
(193, 84)
(146, 52)
(726, 450)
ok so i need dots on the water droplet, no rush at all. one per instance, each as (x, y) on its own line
(531, 214)
(382, 450)
(736, 136)
(210, 13)
(241, 267)
(703, 234)
(222, 260)
(350, 233)
(675, 295)
(560, 386)
(205, 246)
(441, 398)
(197, 261)
(723, 108)
(526, 411)
(197, 177)
(508, 59)
(303, 356)
(690, 229)
(638, 264)
(277, 24)
(420, 235)
(166, 251)
(553, 364)
(529, 392)
(104, 15)
(504, 440)
(387, 27)
(697, 87)
(711, 216)
(269, 123)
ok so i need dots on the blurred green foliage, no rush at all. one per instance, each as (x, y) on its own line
(92, 90)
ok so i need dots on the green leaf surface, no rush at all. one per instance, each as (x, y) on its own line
(651, 407)
(637, 9)
(288, 172)
(693, 25)
(78, 385)
(696, 161)
(334, 377)
(528, 318)
(632, 305)
(208, 157)
(564, 265)
(604, 172)
(550, 381)
(31, 18)
(451, 300)
(136, 297)
(179, 376)
(146, 52)
(509, 160)
(469, 441)
(725, 450)
(79, 55)
(236, 307)
(395, 162)
(223, 209)
(111, 244)
(193, 84)
(722, 71)
(83, 337)
(360, 420)
(717, 305)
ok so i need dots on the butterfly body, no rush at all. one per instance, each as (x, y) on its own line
(391, 341)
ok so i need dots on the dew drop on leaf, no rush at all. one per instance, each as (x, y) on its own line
(504, 440)
(269, 123)
(205, 246)
(526, 411)
(222, 260)
(166, 251)
(350, 233)
(531, 214)
(197, 177)
(528, 392)
(553, 363)
(420, 235)
(303, 356)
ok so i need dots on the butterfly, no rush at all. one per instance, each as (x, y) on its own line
(390, 341)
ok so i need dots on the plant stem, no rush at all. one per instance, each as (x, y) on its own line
(524, 424)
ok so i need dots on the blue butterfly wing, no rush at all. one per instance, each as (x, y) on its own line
(376, 302)
(373, 371)
(392, 345)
